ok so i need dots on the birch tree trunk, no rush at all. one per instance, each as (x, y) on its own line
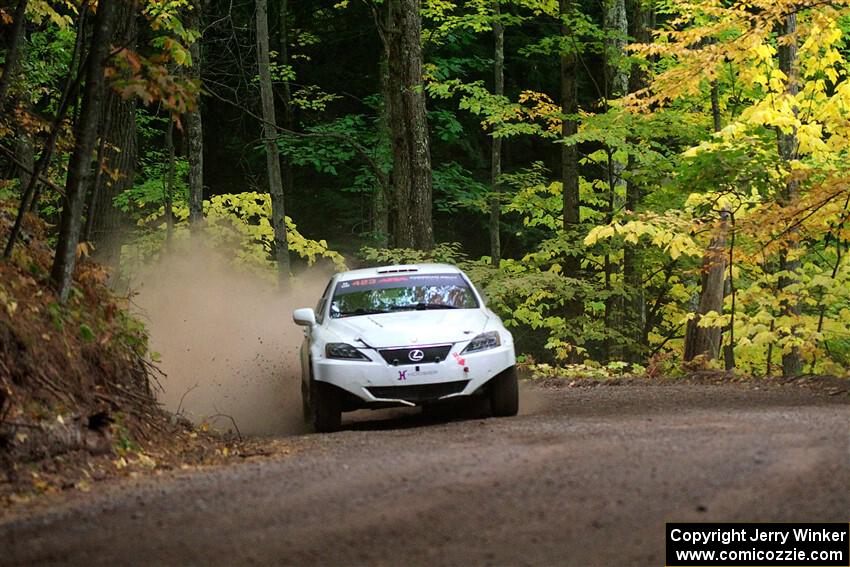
(79, 165)
(617, 29)
(281, 248)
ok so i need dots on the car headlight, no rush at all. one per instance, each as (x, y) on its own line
(343, 351)
(484, 341)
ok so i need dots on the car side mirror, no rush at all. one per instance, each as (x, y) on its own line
(305, 317)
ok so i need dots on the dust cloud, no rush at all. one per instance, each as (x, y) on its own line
(227, 342)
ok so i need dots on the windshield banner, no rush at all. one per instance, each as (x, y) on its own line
(387, 282)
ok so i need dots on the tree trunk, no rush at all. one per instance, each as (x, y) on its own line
(569, 106)
(10, 67)
(706, 340)
(715, 106)
(616, 85)
(25, 154)
(195, 131)
(641, 22)
(98, 174)
(278, 221)
(382, 197)
(395, 123)
(412, 178)
(168, 183)
(79, 165)
(285, 91)
(571, 265)
(109, 225)
(613, 303)
(792, 363)
(496, 150)
(616, 29)
(729, 348)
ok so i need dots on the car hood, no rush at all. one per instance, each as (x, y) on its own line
(412, 327)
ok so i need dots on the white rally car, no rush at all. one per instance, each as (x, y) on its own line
(407, 335)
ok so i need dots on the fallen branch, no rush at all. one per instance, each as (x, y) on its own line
(233, 421)
(180, 404)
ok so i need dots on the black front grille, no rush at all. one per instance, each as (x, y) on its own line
(399, 356)
(418, 393)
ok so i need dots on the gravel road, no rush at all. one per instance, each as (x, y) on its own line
(585, 476)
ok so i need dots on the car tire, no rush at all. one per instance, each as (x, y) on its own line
(504, 393)
(306, 412)
(326, 408)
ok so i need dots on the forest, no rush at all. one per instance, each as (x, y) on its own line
(641, 185)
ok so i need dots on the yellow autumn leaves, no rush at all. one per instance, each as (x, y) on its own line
(670, 241)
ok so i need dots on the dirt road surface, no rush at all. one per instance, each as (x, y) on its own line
(585, 476)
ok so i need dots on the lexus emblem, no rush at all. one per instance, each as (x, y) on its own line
(416, 355)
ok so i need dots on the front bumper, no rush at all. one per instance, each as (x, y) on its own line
(379, 382)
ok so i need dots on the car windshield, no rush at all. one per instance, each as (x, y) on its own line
(389, 294)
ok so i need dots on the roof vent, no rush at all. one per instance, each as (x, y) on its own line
(397, 269)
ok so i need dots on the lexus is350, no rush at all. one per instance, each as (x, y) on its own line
(406, 335)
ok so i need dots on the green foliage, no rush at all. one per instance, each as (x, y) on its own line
(236, 224)
(86, 332)
(155, 72)
(330, 147)
(148, 194)
(613, 370)
(46, 61)
(455, 188)
(279, 73)
(444, 252)
(311, 97)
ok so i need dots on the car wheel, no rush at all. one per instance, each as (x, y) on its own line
(326, 407)
(504, 393)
